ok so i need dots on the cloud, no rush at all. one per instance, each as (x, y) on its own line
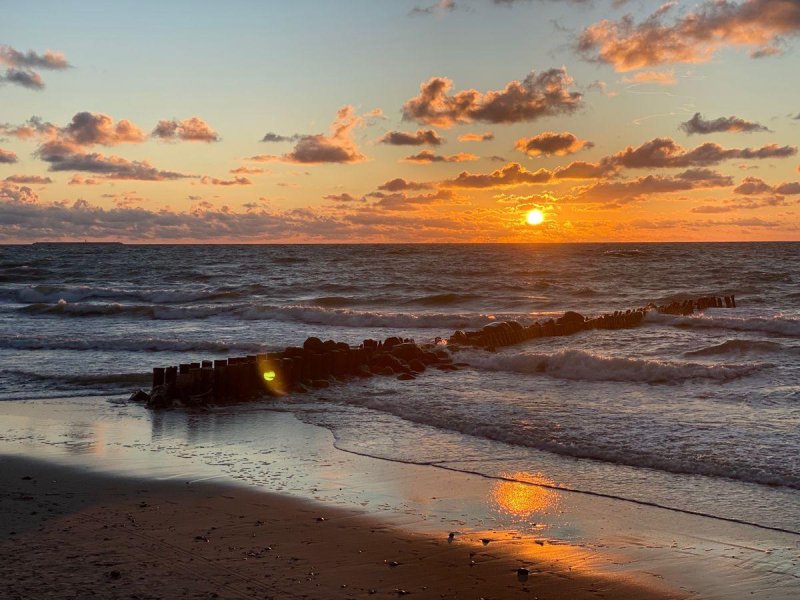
(274, 137)
(665, 152)
(419, 138)
(550, 143)
(538, 95)
(193, 129)
(247, 171)
(753, 186)
(81, 180)
(693, 37)
(513, 174)
(21, 66)
(344, 197)
(399, 184)
(476, 137)
(698, 125)
(580, 169)
(17, 194)
(88, 129)
(24, 78)
(7, 157)
(442, 6)
(426, 156)
(29, 179)
(656, 77)
(637, 189)
(62, 158)
(336, 147)
(206, 180)
(399, 201)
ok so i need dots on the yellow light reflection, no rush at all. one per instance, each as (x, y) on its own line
(269, 375)
(523, 499)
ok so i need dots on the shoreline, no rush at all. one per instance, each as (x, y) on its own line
(66, 531)
(258, 451)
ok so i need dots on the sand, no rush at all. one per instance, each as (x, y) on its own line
(70, 533)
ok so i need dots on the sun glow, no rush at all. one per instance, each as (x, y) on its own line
(535, 217)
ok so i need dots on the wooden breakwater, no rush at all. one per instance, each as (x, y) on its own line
(317, 364)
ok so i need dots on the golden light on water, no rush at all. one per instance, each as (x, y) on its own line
(522, 499)
(535, 217)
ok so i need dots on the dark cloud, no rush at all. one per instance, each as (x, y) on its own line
(7, 157)
(16, 194)
(538, 95)
(642, 187)
(193, 129)
(698, 125)
(693, 37)
(29, 179)
(63, 158)
(344, 197)
(550, 143)
(513, 174)
(21, 66)
(274, 137)
(418, 138)
(399, 201)
(753, 186)
(23, 77)
(426, 156)
(336, 147)
(580, 169)
(665, 152)
(399, 184)
(89, 129)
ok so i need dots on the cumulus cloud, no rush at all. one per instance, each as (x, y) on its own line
(418, 138)
(641, 187)
(206, 180)
(513, 174)
(22, 66)
(84, 130)
(656, 77)
(17, 194)
(81, 180)
(538, 95)
(29, 179)
(580, 169)
(344, 197)
(7, 157)
(193, 129)
(550, 143)
(426, 156)
(753, 186)
(665, 152)
(399, 184)
(336, 147)
(62, 158)
(400, 201)
(698, 125)
(476, 137)
(693, 37)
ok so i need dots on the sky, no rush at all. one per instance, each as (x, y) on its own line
(399, 121)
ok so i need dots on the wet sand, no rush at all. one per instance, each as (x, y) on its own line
(67, 532)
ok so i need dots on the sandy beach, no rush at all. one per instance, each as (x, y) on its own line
(69, 533)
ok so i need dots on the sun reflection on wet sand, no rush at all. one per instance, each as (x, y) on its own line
(525, 496)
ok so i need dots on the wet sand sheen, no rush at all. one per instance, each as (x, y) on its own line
(67, 532)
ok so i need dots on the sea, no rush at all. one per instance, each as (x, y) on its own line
(697, 414)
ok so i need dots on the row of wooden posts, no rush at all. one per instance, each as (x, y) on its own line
(318, 363)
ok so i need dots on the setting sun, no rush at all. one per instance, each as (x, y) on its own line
(535, 217)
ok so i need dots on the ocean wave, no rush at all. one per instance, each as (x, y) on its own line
(442, 299)
(738, 347)
(53, 294)
(82, 380)
(311, 315)
(587, 366)
(632, 253)
(128, 344)
(777, 325)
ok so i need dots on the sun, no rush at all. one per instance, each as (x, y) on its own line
(535, 217)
